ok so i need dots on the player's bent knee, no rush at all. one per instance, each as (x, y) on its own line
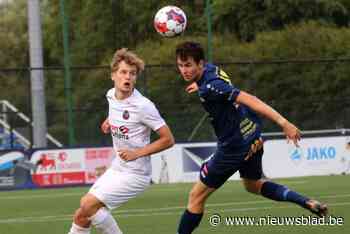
(252, 190)
(80, 218)
(90, 204)
(195, 197)
(252, 186)
(78, 215)
(193, 194)
(84, 200)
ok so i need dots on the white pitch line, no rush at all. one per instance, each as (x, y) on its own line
(41, 196)
(293, 182)
(128, 211)
(69, 217)
(214, 205)
(56, 195)
(335, 196)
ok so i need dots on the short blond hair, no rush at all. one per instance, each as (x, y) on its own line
(129, 58)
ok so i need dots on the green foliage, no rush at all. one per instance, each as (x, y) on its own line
(244, 31)
(97, 28)
(313, 88)
(249, 17)
(13, 53)
(13, 36)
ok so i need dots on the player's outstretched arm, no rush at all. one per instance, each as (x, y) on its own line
(291, 131)
(165, 141)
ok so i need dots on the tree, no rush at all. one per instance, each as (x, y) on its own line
(248, 17)
(14, 83)
(13, 36)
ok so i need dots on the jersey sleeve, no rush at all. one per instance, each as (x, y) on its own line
(109, 94)
(220, 90)
(109, 97)
(150, 116)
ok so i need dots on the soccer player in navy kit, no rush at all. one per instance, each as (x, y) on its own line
(238, 130)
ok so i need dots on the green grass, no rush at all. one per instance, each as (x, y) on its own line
(160, 207)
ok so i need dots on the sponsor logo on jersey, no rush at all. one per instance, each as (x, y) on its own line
(204, 171)
(247, 128)
(120, 132)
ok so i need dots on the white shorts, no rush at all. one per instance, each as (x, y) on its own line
(114, 188)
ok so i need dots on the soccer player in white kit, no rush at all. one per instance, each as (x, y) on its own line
(130, 120)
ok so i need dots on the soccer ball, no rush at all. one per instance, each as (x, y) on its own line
(170, 21)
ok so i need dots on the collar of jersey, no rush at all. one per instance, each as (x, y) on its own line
(125, 99)
(208, 67)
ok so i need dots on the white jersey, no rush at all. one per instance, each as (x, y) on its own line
(132, 120)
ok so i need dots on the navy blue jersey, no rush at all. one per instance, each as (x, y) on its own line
(236, 126)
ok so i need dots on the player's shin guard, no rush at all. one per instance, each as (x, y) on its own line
(76, 229)
(104, 222)
(279, 192)
(189, 221)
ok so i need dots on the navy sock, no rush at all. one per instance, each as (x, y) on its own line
(279, 192)
(189, 221)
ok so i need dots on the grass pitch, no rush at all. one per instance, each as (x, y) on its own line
(158, 210)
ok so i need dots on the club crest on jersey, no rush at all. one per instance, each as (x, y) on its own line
(126, 115)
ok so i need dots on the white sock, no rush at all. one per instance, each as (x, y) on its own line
(104, 222)
(76, 229)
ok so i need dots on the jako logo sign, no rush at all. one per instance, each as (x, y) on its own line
(314, 153)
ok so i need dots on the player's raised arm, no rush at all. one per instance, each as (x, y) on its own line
(165, 141)
(291, 131)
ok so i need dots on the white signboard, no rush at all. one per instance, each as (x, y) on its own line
(182, 162)
(315, 156)
(70, 166)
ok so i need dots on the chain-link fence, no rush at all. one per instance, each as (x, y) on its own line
(312, 94)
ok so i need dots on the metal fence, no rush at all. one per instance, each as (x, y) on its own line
(312, 94)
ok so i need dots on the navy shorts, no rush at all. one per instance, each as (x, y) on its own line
(215, 172)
